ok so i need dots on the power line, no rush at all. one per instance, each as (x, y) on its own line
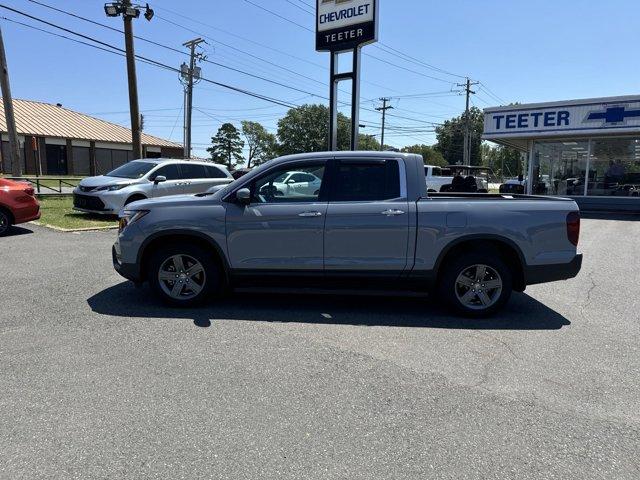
(146, 59)
(167, 47)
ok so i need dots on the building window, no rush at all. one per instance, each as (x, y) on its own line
(559, 167)
(614, 169)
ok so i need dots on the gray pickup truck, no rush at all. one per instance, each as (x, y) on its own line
(343, 220)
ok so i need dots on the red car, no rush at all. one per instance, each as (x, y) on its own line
(18, 204)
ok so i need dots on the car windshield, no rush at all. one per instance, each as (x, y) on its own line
(132, 170)
(280, 178)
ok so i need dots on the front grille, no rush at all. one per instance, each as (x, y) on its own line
(87, 202)
(87, 189)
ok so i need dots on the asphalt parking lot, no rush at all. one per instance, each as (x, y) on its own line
(97, 381)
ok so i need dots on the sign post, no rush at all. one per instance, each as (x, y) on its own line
(342, 26)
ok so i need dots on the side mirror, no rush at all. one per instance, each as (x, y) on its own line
(290, 181)
(243, 196)
(159, 179)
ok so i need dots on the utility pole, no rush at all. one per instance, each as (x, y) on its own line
(14, 150)
(136, 133)
(384, 109)
(187, 77)
(129, 12)
(466, 158)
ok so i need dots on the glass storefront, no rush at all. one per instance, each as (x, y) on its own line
(595, 167)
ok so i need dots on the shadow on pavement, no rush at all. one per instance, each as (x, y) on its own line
(17, 231)
(522, 313)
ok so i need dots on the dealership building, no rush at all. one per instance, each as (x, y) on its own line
(588, 150)
(57, 141)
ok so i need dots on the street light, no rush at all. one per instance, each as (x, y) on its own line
(112, 9)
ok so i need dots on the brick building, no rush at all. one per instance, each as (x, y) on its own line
(57, 141)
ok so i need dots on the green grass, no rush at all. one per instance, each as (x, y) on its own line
(58, 212)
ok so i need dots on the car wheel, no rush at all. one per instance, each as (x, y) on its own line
(476, 284)
(5, 222)
(184, 276)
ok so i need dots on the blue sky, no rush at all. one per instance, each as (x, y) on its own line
(519, 51)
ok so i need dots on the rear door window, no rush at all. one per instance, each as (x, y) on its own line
(365, 182)
(191, 171)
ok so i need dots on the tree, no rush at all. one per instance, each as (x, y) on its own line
(430, 155)
(368, 143)
(306, 129)
(505, 161)
(226, 146)
(262, 144)
(450, 137)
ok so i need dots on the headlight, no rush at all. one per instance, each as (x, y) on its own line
(111, 188)
(130, 216)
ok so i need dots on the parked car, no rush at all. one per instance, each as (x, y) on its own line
(295, 183)
(18, 204)
(145, 179)
(370, 224)
(436, 177)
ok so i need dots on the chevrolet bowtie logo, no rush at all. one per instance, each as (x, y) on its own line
(614, 115)
(337, 2)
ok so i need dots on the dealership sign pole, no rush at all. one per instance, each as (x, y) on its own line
(342, 26)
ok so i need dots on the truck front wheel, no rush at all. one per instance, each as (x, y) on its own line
(476, 284)
(183, 276)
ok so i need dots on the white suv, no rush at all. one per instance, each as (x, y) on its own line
(143, 179)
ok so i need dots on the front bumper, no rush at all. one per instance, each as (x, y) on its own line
(89, 203)
(553, 272)
(130, 271)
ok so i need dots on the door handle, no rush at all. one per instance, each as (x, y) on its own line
(310, 214)
(392, 212)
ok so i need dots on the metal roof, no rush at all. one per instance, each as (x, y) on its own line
(49, 120)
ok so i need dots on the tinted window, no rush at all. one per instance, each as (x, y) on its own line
(214, 172)
(193, 171)
(270, 189)
(171, 172)
(131, 170)
(366, 182)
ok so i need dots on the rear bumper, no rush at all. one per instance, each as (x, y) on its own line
(554, 272)
(130, 271)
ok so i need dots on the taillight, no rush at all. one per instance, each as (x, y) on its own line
(573, 227)
(29, 191)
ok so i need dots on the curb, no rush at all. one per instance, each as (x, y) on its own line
(71, 230)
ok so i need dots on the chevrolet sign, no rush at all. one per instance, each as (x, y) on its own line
(345, 24)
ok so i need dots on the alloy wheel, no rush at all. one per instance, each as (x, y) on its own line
(478, 287)
(181, 277)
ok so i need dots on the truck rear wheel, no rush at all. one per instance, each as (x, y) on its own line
(476, 284)
(183, 276)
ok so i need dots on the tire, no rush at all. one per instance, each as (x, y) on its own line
(163, 263)
(5, 222)
(134, 198)
(466, 290)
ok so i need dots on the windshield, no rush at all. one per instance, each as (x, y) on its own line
(132, 170)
